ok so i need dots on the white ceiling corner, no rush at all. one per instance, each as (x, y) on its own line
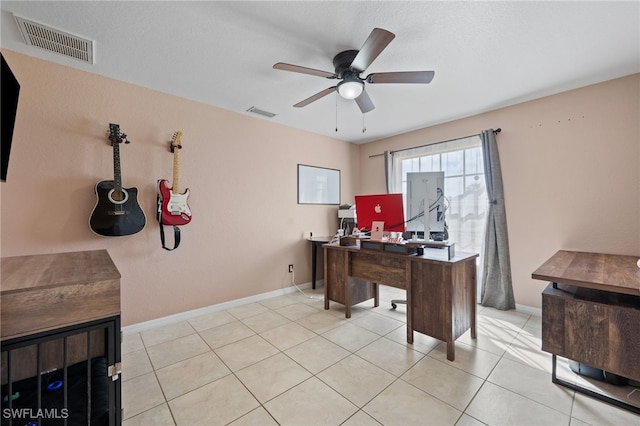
(485, 55)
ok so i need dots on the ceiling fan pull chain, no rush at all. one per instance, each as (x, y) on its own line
(364, 128)
(336, 111)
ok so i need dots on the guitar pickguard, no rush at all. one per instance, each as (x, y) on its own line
(178, 204)
(175, 209)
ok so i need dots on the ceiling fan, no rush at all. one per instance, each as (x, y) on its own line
(348, 66)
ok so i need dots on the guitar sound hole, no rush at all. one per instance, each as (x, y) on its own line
(118, 197)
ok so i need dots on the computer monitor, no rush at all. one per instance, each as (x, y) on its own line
(426, 202)
(387, 208)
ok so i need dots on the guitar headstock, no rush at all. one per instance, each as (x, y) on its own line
(176, 141)
(115, 135)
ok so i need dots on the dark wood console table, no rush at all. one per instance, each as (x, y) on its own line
(441, 293)
(591, 314)
(315, 243)
(60, 316)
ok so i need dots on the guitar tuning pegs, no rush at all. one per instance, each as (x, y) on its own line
(123, 138)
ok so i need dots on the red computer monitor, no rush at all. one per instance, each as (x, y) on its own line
(388, 208)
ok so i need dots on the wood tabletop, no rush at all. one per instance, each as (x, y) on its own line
(48, 291)
(608, 272)
(24, 273)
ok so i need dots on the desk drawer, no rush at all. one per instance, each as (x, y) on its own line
(379, 268)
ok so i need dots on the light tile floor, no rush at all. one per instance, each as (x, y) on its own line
(287, 361)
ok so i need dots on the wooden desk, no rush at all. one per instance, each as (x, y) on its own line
(591, 314)
(441, 293)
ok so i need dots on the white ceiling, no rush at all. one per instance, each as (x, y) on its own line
(486, 55)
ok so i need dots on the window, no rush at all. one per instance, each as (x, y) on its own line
(465, 188)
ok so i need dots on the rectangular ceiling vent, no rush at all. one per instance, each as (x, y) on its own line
(261, 112)
(55, 40)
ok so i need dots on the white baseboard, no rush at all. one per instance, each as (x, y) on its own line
(529, 310)
(183, 316)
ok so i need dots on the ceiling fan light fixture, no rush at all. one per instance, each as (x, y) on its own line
(350, 88)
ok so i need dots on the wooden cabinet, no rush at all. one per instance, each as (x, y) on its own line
(60, 317)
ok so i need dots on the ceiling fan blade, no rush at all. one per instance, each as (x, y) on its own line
(418, 77)
(375, 43)
(315, 97)
(364, 102)
(304, 70)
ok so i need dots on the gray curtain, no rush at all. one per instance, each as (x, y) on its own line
(388, 170)
(497, 289)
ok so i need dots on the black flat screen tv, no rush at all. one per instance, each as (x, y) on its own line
(9, 91)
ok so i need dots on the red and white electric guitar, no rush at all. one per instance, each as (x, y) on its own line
(175, 210)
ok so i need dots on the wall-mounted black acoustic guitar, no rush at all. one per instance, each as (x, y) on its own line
(117, 211)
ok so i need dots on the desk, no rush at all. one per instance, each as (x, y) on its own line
(591, 314)
(315, 243)
(441, 293)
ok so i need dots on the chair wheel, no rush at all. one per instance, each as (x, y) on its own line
(393, 306)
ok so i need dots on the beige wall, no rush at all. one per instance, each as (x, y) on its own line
(571, 166)
(246, 228)
(571, 171)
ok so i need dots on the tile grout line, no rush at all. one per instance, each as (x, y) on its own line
(350, 352)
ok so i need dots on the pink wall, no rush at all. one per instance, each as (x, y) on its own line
(571, 165)
(246, 228)
(571, 171)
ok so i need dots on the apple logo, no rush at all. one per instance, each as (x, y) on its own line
(377, 208)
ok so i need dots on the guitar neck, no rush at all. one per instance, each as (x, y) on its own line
(176, 171)
(117, 173)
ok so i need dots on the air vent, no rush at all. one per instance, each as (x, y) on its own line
(261, 112)
(55, 40)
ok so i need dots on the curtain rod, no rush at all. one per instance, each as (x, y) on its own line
(498, 130)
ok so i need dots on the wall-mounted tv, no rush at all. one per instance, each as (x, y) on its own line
(9, 91)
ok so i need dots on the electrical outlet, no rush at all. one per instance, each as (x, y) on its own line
(290, 268)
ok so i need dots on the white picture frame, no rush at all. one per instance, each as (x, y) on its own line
(318, 185)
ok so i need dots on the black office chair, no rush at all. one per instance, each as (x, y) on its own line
(395, 303)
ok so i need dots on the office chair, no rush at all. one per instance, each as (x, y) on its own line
(395, 303)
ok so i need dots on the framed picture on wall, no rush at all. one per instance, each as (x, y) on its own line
(318, 185)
